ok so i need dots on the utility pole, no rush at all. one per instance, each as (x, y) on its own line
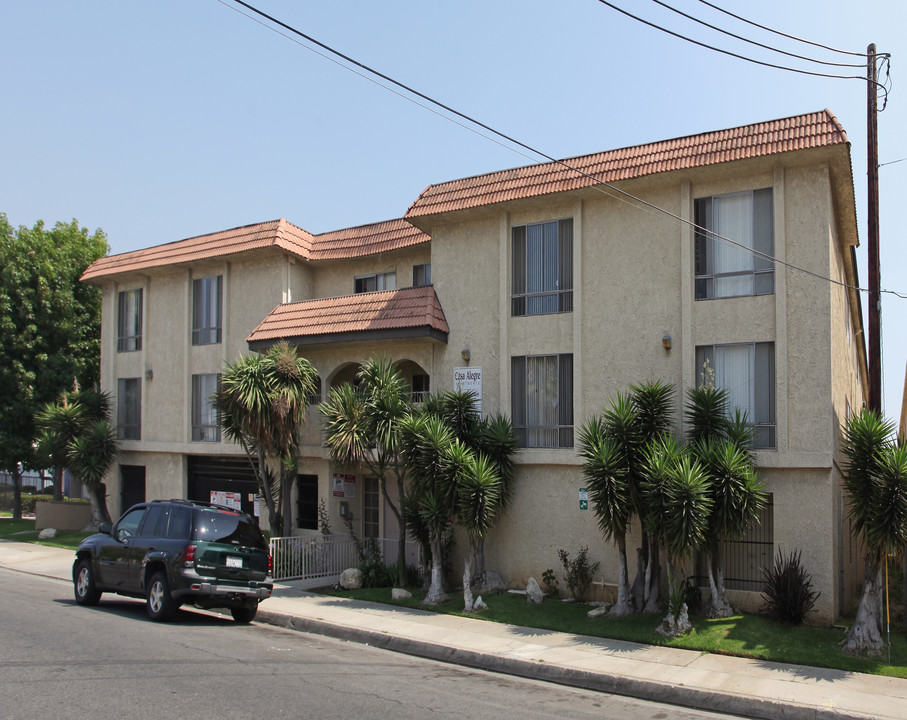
(875, 299)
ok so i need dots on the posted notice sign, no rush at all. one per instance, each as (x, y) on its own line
(583, 499)
(344, 486)
(468, 379)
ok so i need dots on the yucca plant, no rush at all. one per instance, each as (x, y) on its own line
(787, 589)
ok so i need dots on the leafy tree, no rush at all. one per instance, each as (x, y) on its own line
(875, 483)
(261, 401)
(362, 427)
(479, 497)
(49, 329)
(76, 433)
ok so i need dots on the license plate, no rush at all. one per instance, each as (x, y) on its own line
(234, 562)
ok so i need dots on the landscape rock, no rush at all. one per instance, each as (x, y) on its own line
(400, 594)
(351, 579)
(673, 627)
(492, 583)
(597, 612)
(47, 534)
(534, 593)
(479, 604)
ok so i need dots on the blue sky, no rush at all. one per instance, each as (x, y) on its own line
(162, 120)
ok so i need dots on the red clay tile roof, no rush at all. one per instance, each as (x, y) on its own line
(276, 233)
(749, 141)
(350, 243)
(408, 312)
(367, 240)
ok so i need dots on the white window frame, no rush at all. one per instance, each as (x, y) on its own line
(724, 269)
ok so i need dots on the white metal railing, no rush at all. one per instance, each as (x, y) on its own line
(322, 558)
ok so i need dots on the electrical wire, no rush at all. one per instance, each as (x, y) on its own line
(753, 42)
(599, 184)
(782, 34)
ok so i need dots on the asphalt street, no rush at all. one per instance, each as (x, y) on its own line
(59, 660)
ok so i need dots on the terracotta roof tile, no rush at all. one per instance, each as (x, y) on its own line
(367, 240)
(277, 233)
(749, 141)
(388, 310)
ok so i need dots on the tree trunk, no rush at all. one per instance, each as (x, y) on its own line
(436, 594)
(58, 484)
(401, 541)
(478, 577)
(623, 606)
(267, 491)
(638, 590)
(98, 499)
(653, 580)
(17, 493)
(865, 635)
(467, 578)
(719, 606)
(286, 492)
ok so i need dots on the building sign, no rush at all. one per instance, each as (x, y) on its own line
(583, 499)
(344, 486)
(229, 499)
(469, 379)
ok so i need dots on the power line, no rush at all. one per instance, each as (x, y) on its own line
(599, 183)
(782, 34)
(753, 42)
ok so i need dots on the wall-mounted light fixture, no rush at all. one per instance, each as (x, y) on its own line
(465, 355)
(666, 342)
(149, 374)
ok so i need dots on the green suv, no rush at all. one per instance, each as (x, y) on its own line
(175, 552)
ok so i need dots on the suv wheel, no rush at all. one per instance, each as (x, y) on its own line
(244, 614)
(83, 583)
(161, 606)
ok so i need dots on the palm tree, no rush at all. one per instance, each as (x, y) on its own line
(89, 457)
(875, 482)
(676, 490)
(605, 470)
(261, 402)
(479, 500)
(737, 500)
(722, 443)
(362, 427)
(437, 461)
(75, 433)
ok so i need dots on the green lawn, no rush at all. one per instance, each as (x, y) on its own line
(751, 636)
(24, 531)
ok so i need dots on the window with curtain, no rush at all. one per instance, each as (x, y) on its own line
(129, 408)
(370, 511)
(207, 305)
(129, 320)
(725, 269)
(542, 400)
(747, 372)
(542, 268)
(205, 427)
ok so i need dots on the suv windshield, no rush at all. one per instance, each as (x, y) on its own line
(222, 526)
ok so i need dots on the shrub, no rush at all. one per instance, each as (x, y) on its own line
(551, 584)
(29, 501)
(578, 572)
(787, 589)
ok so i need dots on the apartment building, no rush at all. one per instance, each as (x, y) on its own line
(547, 289)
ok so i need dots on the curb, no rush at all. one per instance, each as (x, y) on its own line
(679, 695)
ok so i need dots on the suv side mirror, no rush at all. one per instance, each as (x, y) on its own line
(105, 527)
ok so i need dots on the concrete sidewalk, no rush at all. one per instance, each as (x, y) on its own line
(723, 684)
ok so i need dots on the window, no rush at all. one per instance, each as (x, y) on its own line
(421, 275)
(129, 409)
(314, 398)
(727, 270)
(379, 281)
(129, 321)
(370, 507)
(421, 388)
(747, 372)
(205, 427)
(543, 268)
(542, 400)
(207, 301)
